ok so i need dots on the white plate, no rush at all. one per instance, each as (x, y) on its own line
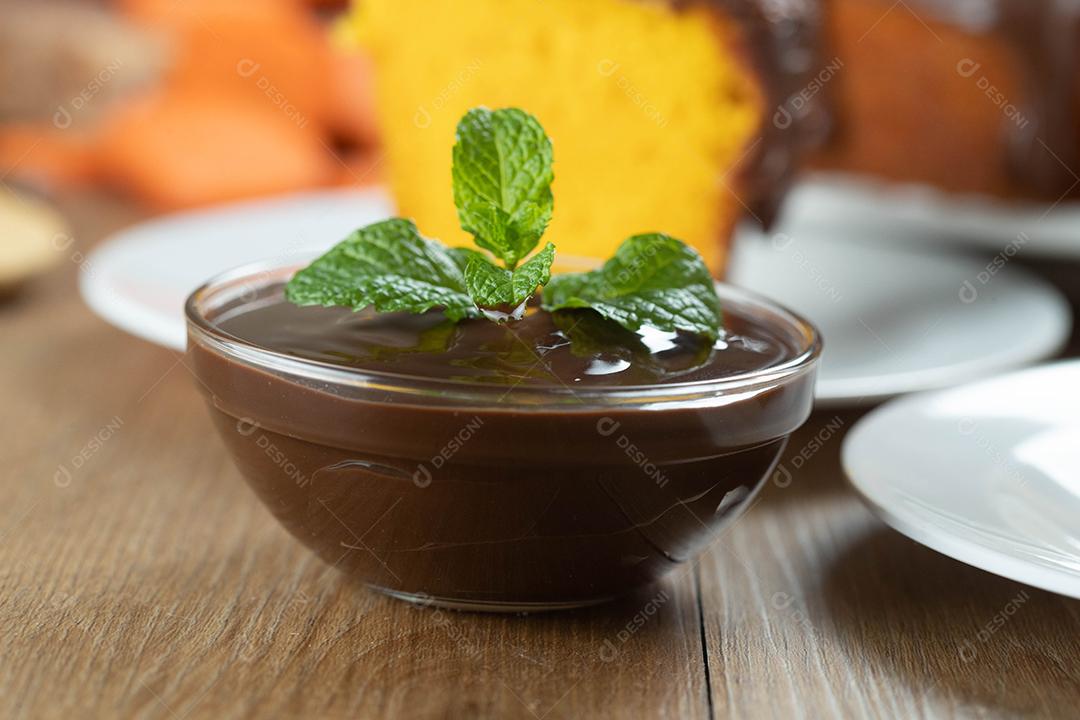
(826, 202)
(987, 473)
(139, 278)
(892, 319)
(897, 321)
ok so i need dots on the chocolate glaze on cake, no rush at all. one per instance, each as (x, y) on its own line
(782, 41)
(785, 42)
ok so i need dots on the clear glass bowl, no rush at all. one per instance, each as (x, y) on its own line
(474, 496)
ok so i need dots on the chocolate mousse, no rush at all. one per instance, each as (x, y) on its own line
(567, 349)
(554, 461)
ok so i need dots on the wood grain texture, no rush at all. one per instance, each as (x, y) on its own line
(818, 610)
(139, 577)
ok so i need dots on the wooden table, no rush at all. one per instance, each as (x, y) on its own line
(139, 577)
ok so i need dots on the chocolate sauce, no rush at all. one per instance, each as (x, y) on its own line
(461, 466)
(572, 349)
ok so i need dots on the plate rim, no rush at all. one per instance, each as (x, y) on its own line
(968, 220)
(975, 370)
(863, 392)
(151, 325)
(971, 553)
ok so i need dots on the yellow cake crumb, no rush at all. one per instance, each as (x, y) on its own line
(649, 109)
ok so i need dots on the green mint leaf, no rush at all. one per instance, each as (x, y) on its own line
(390, 266)
(652, 280)
(533, 272)
(487, 283)
(491, 286)
(461, 257)
(502, 181)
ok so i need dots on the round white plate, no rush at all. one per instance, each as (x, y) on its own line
(986, 473)
(896, 320)
(893, 320)
(827, 202)
(139, 278)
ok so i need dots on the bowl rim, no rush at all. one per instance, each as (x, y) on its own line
(246, 280)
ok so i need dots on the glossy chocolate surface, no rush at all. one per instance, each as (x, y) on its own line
(572, 349)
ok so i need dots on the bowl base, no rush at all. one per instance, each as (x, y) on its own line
(487, 606)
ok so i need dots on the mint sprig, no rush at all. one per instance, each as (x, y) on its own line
(502, 181)
(652, 280)
(502, 175)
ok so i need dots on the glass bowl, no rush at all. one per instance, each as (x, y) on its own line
(481, 497)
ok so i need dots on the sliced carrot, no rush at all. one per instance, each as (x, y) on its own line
(350, 106)
(182, 148)
(273, 51)
(45, 155)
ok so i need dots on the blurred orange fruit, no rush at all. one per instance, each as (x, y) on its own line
(44, 155)
(272, 51)
(183, 148)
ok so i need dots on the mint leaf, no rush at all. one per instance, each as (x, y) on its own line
(387, 265)
(461, 256)
(533, 272)
(487, 283)
(502, 181)
(491, 286)
(652, 280)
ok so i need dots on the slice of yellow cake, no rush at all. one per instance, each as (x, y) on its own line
(656, 109)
